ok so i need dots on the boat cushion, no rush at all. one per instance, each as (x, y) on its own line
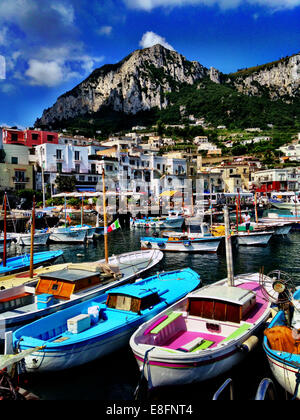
(280, 339)
(171, 317)
(198, 343)
(152, 326)
(243, 328)
(204, 345)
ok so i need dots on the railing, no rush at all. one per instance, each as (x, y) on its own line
(266, 390)
(227, 384)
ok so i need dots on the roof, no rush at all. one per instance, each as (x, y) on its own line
(230, 294)
(133, 291)
(68, 275)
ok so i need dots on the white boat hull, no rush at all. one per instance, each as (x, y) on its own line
(254, 239)
(179, 372)
(287, 206)
(39, 239)
(131, 259)
(284, 374)
(46, 361)
(163, 365)
(78, 236)
(180, 246)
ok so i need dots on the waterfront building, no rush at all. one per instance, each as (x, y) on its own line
(28, 137)
(290, 152)
(67, 160)
(16, 172)
(268, 180)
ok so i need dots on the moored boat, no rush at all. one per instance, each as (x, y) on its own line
(254, 238)
(182, 244)
(281, 341)
(22, 262)
(68, 235)
(68, 285)
(94, 328)
(164, 222)
(40, 238)
(206, 333)
(213, 328)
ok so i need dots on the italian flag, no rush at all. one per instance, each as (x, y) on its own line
(114, 226)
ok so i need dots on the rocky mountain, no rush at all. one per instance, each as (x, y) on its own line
(143, 80)
(279, 79)
(137, 83)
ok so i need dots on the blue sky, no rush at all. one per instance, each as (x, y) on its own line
(48, 47)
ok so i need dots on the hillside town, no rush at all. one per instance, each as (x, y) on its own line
(33, 159)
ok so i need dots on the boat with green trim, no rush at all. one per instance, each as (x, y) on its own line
(203, 335)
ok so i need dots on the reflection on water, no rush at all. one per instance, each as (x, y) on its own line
(116, 376)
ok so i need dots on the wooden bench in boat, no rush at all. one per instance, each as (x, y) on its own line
(196, 344)
(237, 333)
(167, 327)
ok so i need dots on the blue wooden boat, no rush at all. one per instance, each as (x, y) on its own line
(22, 262)
(101, 325)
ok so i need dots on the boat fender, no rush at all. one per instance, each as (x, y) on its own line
(249, 344)
(161, 244)
(187, 243)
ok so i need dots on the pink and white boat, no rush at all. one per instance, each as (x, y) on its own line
(203, 335)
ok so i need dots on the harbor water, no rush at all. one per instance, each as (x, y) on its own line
(115, 377)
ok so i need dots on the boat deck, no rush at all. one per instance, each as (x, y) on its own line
(185, 337)
(127, 270)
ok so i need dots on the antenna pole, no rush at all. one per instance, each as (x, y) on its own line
(105, 217)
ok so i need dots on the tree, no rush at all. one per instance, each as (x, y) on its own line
(65, 183)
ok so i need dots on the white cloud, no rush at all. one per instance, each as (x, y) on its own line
(45, 73)
(149, 5)
(105, 30)
(150, 38)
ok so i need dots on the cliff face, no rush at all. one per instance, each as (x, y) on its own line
(137, 83)
(141, 81)
(280, 79)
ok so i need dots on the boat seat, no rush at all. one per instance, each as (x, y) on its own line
(237, 333)
(167, 328)
(198, 343)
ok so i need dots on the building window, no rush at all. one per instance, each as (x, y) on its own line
(34, 136)
(77, 155)
(158, 166)
(14, 160)
(77, 168)
(90, 178)
(20, 176)
(59, 167)
(58, 154)
(81, 178)
(14, 137)
(50, 137)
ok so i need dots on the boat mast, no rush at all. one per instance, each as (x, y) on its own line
(4, 232)
(65, 211)
(105, 216)
(32, 238)
(255, 201)
(229, 260)
(82, 210)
